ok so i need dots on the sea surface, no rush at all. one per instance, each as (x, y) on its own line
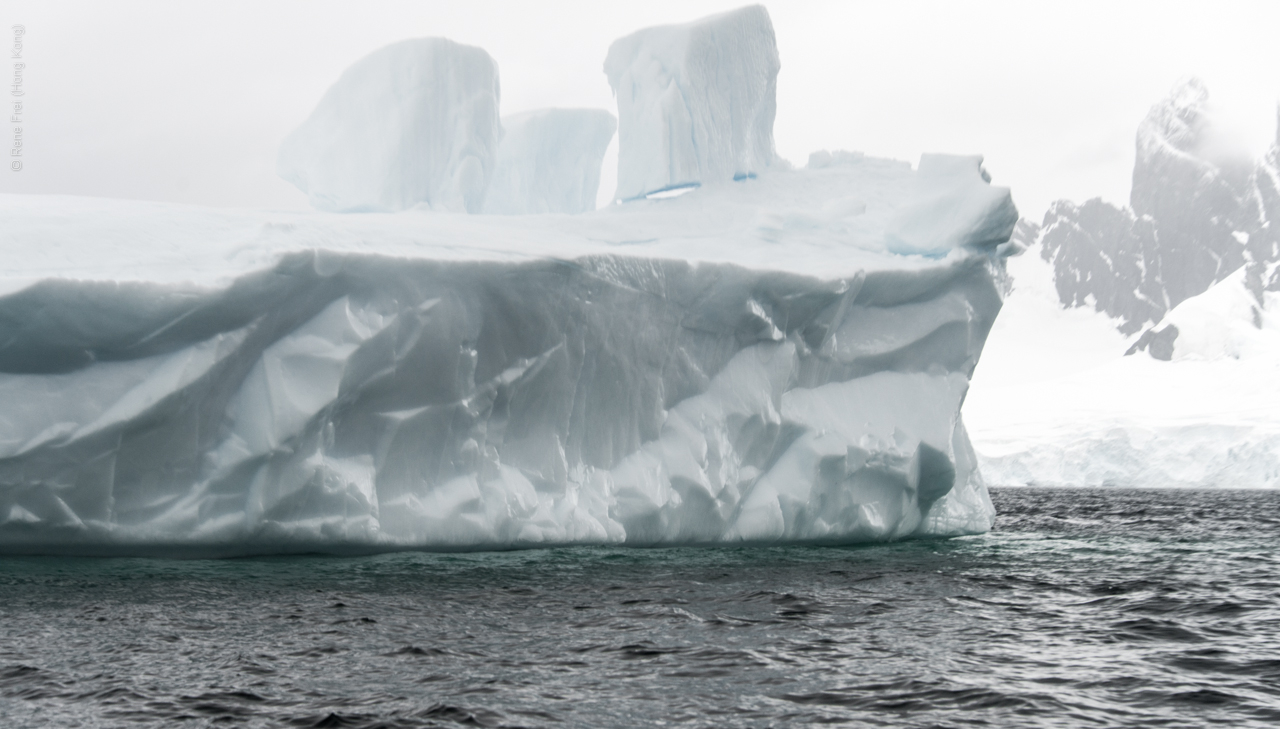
(1107, 608)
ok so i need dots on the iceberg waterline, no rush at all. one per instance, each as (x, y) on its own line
(751, 362)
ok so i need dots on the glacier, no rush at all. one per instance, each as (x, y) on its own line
(549, 161)
(752, 363)
(1055, 400)
(412, 124)
(1138, 346)
(696, 102)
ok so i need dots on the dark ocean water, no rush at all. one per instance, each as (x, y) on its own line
(1107, 608)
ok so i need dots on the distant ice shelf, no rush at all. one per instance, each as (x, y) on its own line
(1055, 401)
(778, 359)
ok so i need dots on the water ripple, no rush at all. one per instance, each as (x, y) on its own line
(1106, 608)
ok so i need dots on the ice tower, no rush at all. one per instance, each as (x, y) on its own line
(695, 102)
(413, 124)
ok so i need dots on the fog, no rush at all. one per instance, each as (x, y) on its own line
(188, 103)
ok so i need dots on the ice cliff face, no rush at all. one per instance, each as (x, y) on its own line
(549, 161)
(1198, 212)
(746, 364)
(696, 102)
(415, 123)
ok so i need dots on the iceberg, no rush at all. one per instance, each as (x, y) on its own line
(696, 102)
(752, 363)
(415, 123)
(549, 161)
(779, 359)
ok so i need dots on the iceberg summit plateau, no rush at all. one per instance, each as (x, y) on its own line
(780, 358)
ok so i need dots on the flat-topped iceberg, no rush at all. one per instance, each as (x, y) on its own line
(748, 363)
(776, 356)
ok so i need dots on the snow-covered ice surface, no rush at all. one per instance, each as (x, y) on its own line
(751, 362)
(549, 161)
(1186, 280)
(1056, 402)
(415, 123)
(696, 102)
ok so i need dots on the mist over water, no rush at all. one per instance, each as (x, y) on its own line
(1083, 608)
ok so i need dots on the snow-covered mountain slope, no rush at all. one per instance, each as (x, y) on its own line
(1185, 282)
(776, 359)
(1055, 401)
(1199, 210)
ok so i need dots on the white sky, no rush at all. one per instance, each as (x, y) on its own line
(187, 102)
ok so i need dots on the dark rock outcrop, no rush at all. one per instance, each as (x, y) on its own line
(1198, 211)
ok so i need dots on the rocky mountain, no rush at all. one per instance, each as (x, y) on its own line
(1199, 209)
